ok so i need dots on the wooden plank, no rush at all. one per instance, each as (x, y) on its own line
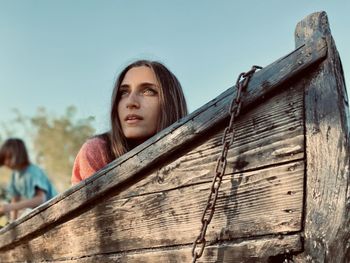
(262, 250)
(327, 222)
(159, 148)
(264, 202)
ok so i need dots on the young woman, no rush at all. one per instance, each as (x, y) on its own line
(29, 186)
(146, 98)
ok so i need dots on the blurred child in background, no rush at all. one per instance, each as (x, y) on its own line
(29, 186)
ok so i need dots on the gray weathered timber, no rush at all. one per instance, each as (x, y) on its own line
(155, 212)
(327, 219)
(162, 146)
(253, 251)
(168, 218)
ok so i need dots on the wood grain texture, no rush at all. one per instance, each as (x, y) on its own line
(327, 222)
(159, 148)
(251, 204)
(247, 251)
(164, 209)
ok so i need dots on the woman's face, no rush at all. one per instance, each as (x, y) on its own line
(138, 106)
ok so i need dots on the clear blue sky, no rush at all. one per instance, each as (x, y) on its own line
(64, 52)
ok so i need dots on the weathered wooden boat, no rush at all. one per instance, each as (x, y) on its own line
(285, 193)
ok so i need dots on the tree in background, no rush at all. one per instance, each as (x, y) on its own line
(55, 141)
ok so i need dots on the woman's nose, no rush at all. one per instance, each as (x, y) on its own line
(133, 101)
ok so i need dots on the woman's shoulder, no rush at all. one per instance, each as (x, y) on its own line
(94, 142)
(95, 147)
(92, 156)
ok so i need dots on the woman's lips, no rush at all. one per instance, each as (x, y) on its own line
(133, 118)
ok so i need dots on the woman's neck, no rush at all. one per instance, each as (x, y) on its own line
(134, 143)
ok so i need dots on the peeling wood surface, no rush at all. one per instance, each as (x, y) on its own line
(165, 208)
(327, 224)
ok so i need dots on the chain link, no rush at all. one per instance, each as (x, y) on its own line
(208, 213)
(288, 258)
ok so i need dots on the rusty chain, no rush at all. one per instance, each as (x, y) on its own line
(288, 258)
(235, 108)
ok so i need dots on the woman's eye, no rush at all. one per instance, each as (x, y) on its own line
(150, 91)
(123, 92)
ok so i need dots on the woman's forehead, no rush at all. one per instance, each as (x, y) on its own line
(138, 75)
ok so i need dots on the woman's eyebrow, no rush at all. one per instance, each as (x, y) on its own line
(124, 86)
(143, 84)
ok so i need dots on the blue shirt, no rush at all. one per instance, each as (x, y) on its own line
(24, 183)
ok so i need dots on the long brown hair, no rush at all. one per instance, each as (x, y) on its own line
(172, 105)
(15, 151)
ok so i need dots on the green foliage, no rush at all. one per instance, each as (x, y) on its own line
(58, 140)
(55, 141)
